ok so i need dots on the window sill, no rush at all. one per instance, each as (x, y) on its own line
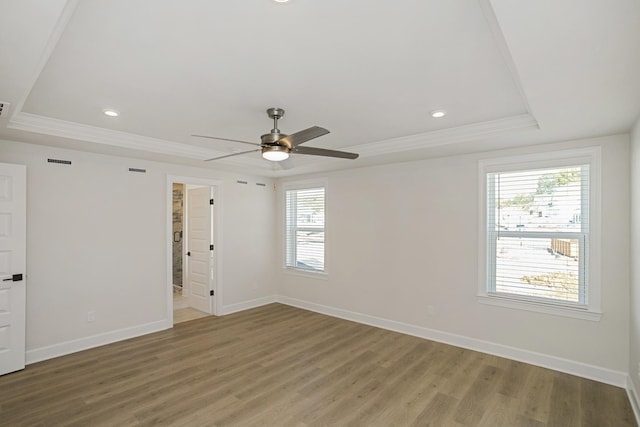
(320, 275)
(541, 307)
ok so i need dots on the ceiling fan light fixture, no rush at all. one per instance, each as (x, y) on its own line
(275, 153)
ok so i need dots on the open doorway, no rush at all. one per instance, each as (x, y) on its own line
(193, 276)
(183, 308)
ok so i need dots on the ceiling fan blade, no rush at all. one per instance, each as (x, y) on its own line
(324, 152)
(227, 139)
(302, 136)
(232, 154)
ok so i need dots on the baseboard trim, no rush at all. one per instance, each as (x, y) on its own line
(633, 398)
(68, 347)
(584, 370)
(80, 344)
(246, 305)
(607, 376)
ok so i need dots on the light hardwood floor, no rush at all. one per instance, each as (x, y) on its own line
(281, 366)
(181, 310)
(185, 314)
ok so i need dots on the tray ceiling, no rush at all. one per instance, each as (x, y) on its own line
(370, 72)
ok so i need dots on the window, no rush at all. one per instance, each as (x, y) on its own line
(305, 222)
(538, 231)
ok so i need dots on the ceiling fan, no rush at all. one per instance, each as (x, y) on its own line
(276, 146)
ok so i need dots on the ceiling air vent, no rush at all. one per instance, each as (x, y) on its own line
(4, 109)
(60, 162)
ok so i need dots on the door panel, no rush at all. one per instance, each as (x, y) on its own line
(199, 234)
(12, 261)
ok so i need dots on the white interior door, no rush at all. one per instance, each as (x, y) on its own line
(13, 214)
(200, 253)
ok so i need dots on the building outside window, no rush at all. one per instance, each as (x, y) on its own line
(538, 238)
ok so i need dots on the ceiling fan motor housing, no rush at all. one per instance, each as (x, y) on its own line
(271, 138)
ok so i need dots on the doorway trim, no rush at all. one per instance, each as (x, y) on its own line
(217, 237)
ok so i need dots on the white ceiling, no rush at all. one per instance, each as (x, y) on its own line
(508, 73)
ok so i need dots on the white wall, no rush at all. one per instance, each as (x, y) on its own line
(634, 336)
(97, 240)
(401, 237)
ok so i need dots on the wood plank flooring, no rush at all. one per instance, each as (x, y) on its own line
(185, 314)
(282, 366)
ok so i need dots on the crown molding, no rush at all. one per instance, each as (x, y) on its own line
(448, 136)
(55, 127)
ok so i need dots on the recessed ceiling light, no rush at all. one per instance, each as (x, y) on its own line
(438, 113)
(281, 1)
(111, 113)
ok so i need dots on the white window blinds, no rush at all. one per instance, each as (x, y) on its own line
(305, 228)
(537, 234)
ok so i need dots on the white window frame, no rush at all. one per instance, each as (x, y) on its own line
(592, 307)
(304, 185)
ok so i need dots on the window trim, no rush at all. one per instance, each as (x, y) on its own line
(591, 156)
(303, 185)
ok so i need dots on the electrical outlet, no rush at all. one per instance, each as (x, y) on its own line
(91, 316)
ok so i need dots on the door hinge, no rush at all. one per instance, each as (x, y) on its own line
(210, 247)
(210, 201)
(189, 253)
(211, 292)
